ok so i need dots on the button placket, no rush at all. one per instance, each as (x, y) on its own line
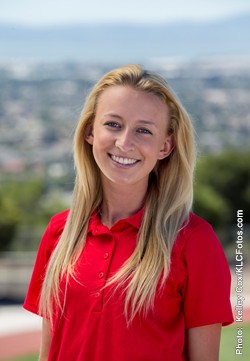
(102, 273)
(97, 294)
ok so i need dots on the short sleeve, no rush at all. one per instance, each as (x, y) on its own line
(207, 289)
(46, 247)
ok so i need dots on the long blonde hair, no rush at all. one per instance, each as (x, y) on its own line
(167, 206)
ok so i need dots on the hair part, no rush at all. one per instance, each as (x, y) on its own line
(167, 205)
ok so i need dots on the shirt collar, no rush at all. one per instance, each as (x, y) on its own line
(134, 220)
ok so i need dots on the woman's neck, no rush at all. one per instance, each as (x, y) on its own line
(120, 202)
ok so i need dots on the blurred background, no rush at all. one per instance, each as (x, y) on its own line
(51, 54)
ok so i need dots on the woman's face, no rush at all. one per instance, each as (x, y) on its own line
(129, 135)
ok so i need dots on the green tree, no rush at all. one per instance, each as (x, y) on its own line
(26, 205)
(222, 187)
(9, 220)
(19, 204)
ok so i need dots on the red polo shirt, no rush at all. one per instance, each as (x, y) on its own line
(93, 326)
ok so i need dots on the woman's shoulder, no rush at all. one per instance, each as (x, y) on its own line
(57, 222)
(60, 218)
(194, 222)
(53, 231)
(197, 244)
(196, 232)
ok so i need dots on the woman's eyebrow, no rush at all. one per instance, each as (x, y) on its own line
(113, 115)
(148, 122)
(142, 121)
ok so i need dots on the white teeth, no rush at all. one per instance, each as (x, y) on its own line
(123, 160)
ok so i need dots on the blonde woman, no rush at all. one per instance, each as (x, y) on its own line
(129, 273)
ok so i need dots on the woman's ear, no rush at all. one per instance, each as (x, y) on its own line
(167, 147)
(89, 137)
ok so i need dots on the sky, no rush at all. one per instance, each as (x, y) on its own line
(65, 12)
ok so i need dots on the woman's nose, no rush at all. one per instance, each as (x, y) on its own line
(124, 141)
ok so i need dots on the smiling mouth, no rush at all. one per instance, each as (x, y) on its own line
(123, 161)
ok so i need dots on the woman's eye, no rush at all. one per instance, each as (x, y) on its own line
(144, 131)
(112, 124)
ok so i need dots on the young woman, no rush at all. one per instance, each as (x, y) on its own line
(129, 273)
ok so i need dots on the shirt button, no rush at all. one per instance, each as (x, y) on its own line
(101, 274)
(97, 294)
(106, 256)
